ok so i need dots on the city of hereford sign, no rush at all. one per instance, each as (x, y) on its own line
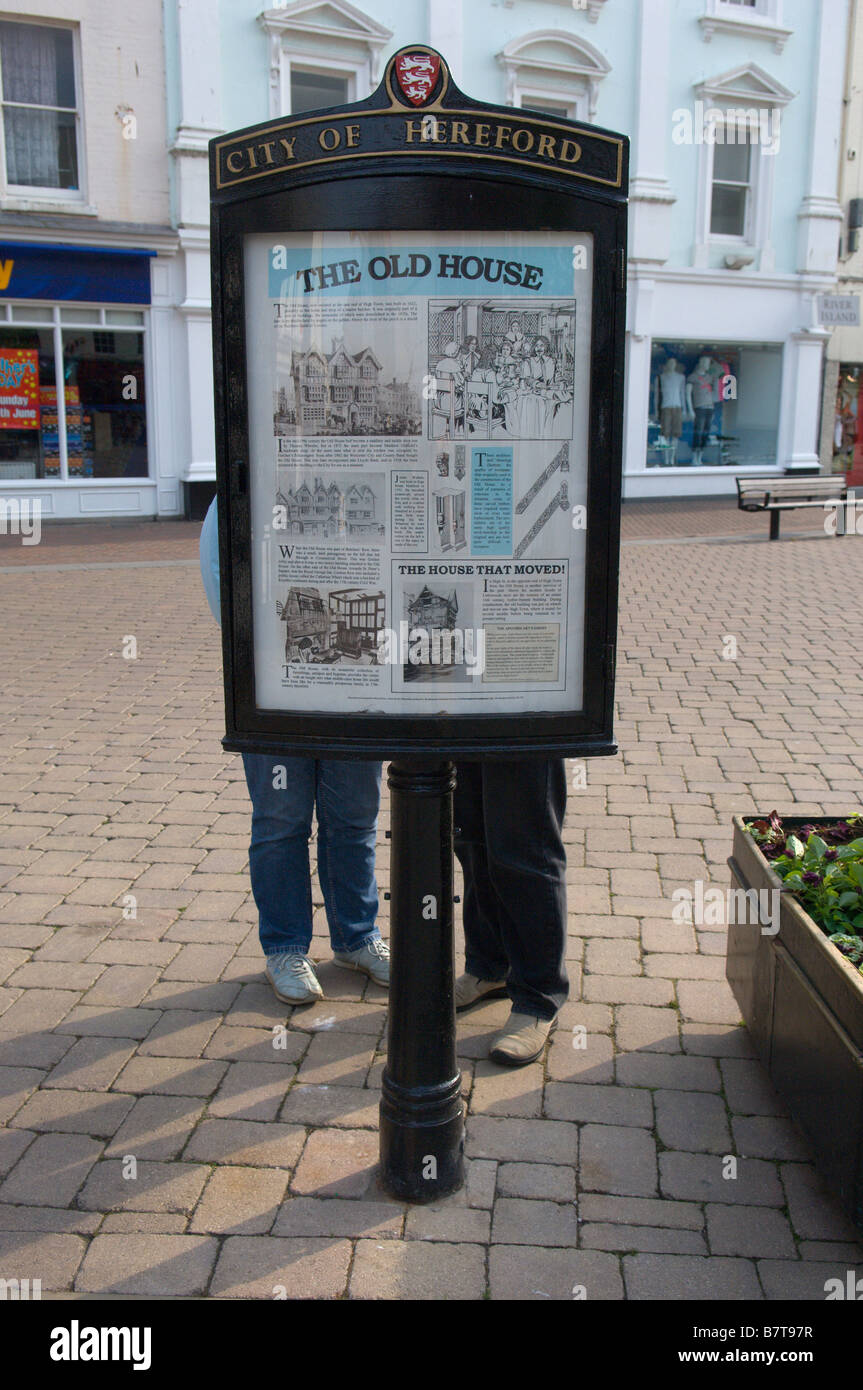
(418, 349)
(418, 329)
(451, 124)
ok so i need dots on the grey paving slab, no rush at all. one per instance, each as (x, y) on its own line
(152, 1037)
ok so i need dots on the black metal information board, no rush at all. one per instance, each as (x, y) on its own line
(418, 306)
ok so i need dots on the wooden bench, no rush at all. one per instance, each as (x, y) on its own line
(777, 495)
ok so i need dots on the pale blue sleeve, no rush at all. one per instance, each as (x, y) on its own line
(209, 554)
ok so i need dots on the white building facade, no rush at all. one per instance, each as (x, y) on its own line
(842, 410)
(733, 107)
(87, 252)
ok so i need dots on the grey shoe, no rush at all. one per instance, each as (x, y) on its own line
(522, 1040)
(469, 989)
(372, 959)
(293, 979)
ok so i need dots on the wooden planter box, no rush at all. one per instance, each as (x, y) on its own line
(802, 1002)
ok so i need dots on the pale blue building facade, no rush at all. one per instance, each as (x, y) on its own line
(734, 110)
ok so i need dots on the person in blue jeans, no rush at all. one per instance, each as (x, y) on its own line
(285, 792)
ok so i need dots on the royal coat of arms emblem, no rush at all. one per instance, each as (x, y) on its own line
(417, 74)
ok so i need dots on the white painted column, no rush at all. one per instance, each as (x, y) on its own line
(819, 224)
(162, 403)
(797, 446)
(820, 215)
(650, 203)
(650, 195)
(446, 33)
(639, 314)
(199, 67)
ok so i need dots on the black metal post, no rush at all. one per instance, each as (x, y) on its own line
(421, 1113)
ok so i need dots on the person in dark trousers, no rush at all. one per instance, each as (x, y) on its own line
(508, 839)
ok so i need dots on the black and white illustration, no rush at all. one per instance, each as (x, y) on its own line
(331, 625)
(541, 503)
(346, 508)
(418, 452)
(500, 369)
(440, 642)
(360, 380)
(449, 521)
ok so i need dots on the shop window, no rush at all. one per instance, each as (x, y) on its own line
(107, 427)
(28, 405)
(848, 423)
(713, 405)
(40, 107)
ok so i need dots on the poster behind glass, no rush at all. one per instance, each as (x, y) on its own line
(418, 421)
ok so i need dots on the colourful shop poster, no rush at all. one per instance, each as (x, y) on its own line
(19, 389)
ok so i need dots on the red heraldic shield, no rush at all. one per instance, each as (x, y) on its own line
(417, 74)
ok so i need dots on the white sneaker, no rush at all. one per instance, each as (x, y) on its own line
(293, 979)
(372, 959)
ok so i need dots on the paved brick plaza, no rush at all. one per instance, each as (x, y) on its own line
(151, 1036)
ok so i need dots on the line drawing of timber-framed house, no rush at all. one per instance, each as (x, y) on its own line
(307, 624)
(357, 617)
(431, 610)
(326, 512)
(338, 390)
(435, 613)
(347, 624)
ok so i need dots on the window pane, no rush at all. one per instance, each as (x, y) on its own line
(23, 313)
(734, 390)
(124, 316)
(28, 447)
(731, 163)
(310, 90)
(80, 316)
(728, 211)
(40, 148)
(38, 64)
(108, 432)
(548, 108)
(65, 67)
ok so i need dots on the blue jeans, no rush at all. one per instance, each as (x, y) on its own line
(347, 795)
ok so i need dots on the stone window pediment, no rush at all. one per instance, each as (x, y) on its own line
(748, 83)
(557, 66)
(324, 36)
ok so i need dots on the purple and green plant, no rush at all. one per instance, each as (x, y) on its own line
(821, 864)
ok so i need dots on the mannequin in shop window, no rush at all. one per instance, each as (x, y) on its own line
(671, 406)
(700, 400)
